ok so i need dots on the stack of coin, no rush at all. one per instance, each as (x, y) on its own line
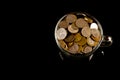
(78, 35)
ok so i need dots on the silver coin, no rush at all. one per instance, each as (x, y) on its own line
(61, 33)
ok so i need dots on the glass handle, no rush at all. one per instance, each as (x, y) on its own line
(107, 41)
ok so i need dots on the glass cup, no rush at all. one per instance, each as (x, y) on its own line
(79, 35)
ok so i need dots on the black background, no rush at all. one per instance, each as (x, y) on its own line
(29, 32)
(35, 24)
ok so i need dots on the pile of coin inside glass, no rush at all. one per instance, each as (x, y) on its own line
(78, 33)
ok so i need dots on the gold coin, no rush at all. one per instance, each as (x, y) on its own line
(82, 41)
(80, 23)
(77, 37)
(63, 44)
(69, 38)
(61, 33)
(71, 18)
(70, 44)
(80, 49)
(87, 49)
(86, 32)
(89, 20)
(96, 38)
(90, 42)
(73, 29)
(63, 24)
(73, 49)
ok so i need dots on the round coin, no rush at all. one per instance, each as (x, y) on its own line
(73, 49)
(73, 29)
(95, 33)
(71, 18)
(93, 26)
(63, 24)
(69, 38)
(80, 23)
(87, 49)
(86, 32)
(90, 42)
(61, 33)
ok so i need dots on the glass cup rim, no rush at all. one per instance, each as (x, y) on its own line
(68, 53)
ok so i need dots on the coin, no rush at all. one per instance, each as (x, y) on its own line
(96, 38)
(63, 44)
(63, 24)
(93, 26)
(77, 37)
(82, 41)
(95, 34)
(80, 49)
(61, 33)
(90, 42)
(80, 23)
(87, 49)
(72, 28)
(69, 38)
(89, 20)
(71, 18)
(86, 32)
(70, 44)
(74, 49)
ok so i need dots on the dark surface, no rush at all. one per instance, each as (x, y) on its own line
(99, 9)
(36, 24)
